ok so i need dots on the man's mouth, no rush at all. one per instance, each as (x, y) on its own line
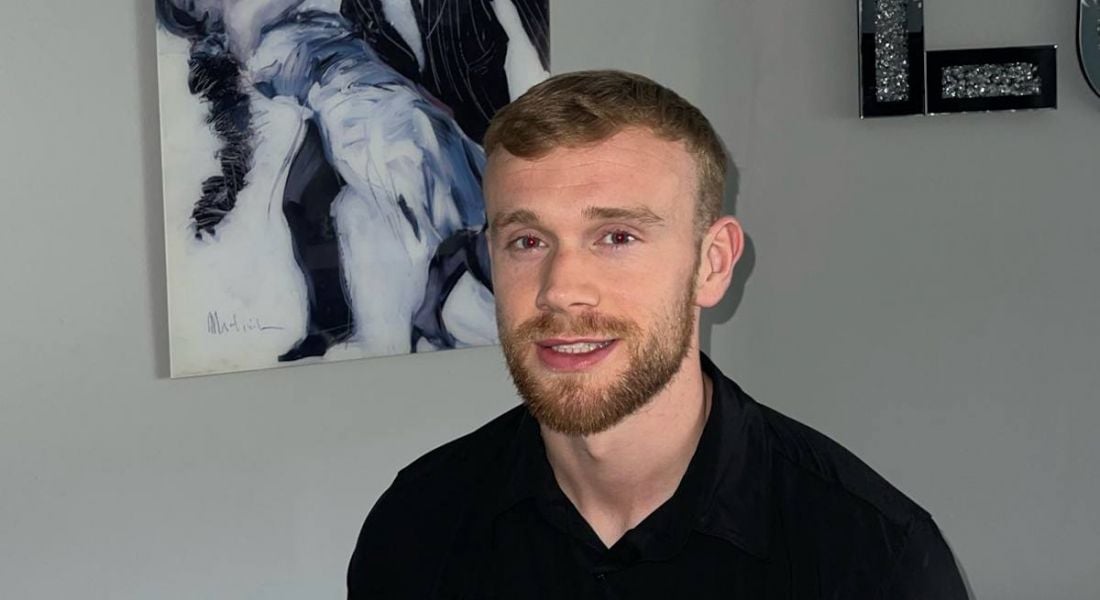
(579, 347)
(573, 355)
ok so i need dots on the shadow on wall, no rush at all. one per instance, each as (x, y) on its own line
(724, 310)
(157, 281)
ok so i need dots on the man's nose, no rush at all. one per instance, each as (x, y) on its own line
(569, 282)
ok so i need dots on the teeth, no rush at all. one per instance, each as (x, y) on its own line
(580, 347)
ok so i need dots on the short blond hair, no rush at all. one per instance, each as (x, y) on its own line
(586, 107)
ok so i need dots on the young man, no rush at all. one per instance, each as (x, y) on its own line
(634, 468)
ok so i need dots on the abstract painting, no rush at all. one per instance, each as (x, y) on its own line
(322, 170)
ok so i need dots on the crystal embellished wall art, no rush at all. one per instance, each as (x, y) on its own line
(988, 79)
(891, 49)
(897, 77)
(322, 168)
(1088, 42)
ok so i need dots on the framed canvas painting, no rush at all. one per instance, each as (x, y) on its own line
(322, 172)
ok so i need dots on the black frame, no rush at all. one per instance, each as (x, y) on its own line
(1044, 57)
(869, 106)
(1093, 79)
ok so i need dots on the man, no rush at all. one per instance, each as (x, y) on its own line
(634, 468)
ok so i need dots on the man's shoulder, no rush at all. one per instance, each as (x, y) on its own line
(818, 463)
(827, 498)
(473, 454)
(412, 525)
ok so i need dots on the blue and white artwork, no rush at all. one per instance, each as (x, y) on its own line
(322, 172)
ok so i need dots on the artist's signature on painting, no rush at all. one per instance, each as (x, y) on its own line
(219, 324)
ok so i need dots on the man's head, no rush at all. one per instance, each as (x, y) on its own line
(604, 193)
(578, 109)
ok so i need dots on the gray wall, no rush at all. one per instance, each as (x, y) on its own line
(923, 290)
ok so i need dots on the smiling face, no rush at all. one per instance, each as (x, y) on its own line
(595, 262)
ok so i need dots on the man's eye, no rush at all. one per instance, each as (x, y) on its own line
(526, 242)
(618, 238)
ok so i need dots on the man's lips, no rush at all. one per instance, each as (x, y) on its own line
(565, 341)
(573, 354)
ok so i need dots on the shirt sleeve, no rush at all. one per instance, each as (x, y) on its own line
(926, 568)
(370, 562)
(399, 552)
(392, 558)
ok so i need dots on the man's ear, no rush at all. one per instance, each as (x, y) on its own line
(721, 249)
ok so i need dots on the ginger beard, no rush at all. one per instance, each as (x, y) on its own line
(572, 403)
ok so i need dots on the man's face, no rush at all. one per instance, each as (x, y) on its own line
(595, 260)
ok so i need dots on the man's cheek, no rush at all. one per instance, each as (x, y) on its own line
(517, 292)
(507, 314)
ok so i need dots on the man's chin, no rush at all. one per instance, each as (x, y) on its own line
(578, 412)
(573, 403)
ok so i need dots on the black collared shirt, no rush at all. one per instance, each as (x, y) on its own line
(768, 508)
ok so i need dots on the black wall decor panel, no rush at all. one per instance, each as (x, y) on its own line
(898, 77)
(1088, 42)
(891, 49)
(1021, 78)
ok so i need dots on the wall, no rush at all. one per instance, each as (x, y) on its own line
(923, 290)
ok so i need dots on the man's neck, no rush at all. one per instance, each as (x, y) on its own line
(618, 477)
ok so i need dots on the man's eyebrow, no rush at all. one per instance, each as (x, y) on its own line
(521, 216)
(640, 214)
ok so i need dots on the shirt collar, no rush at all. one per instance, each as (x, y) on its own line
(725, 491)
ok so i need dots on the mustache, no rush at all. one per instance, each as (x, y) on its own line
(549, 325)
